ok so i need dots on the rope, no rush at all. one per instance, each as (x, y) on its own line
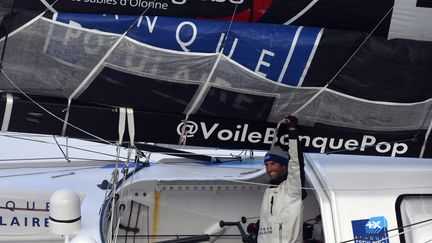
(427, 133)
(346, 63)
(115, 173)
(64, 154)
(52, 114)
(45, 142)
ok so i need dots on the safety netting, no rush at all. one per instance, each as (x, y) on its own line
(49, 58)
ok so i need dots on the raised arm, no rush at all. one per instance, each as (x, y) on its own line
(295, 176)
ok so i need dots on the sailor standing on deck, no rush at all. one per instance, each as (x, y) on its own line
(281, 209)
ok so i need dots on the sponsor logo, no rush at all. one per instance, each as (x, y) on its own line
(243, 133)
(188, 129)
(23, 214)
(370, 230)
(270, 59)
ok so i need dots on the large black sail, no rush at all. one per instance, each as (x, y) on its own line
(171, 73)
(389, 18)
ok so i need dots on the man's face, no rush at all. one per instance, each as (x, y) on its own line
(275, 170)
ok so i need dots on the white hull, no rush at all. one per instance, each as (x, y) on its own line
(167, 200)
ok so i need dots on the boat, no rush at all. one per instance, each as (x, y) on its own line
(164, 198)
(104, 72)
(169, 199)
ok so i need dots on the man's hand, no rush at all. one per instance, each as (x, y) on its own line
(291, 122)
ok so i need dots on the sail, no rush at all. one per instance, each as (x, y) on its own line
(407, 19)
(217, 83)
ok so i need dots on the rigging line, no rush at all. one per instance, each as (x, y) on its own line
(177, 236)
(30, 159)
(73, 147)
(49, 172)
(7, 34)
(400, 228)
(425, 140)
(427, 133)
(126, 176)
(229, 28)
(124, 170)
(214, 177)
(116, 174)
(64, 154)
(115, 179)
(133, 171)
(363, 42)
(346, 63)
(50, 158)
(424, 121)
(52, 114)
(218, 167)
(306, 188)
(113, 204)
(125, 114)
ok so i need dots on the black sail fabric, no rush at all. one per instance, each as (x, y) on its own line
(383, 70)
(353, 91)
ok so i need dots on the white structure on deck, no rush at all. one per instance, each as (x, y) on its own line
(352, 190)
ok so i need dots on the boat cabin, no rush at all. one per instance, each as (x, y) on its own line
(372, 199)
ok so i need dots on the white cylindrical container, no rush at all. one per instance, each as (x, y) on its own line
(65, 212)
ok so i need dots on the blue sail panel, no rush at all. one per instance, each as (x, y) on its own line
(271, 51)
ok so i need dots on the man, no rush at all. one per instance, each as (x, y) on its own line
(281, 209)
